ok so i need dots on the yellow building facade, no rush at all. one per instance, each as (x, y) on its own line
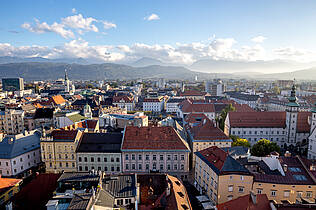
(59, 150)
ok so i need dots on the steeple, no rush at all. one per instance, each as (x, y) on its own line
(293, 99)
(66, 75)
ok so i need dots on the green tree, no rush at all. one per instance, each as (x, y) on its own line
(223, 116)
(241, 142)
(264, 147)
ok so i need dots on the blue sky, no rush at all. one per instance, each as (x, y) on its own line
(284, 25)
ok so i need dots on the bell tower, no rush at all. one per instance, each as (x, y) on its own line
(291, 117)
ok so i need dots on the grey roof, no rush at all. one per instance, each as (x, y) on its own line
(12, 146)
(80, 201)
(175, 100)
(236, 151)
(231, 165)
(78, 177)
(100, 143)
(121, 186)
(105, 199)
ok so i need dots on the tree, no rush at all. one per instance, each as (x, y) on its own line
(223, 115)
(264, 147)
(241, 142)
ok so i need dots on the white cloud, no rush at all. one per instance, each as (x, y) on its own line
(180, 53)
(73, 11)
(108, 25)
(77, 22)
(152, 17)
(44, 27)
(258, 39)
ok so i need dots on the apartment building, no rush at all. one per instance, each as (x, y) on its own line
(19, 153)
(172, 104)
(153, 104)
(146, 149)
(12, 121)
(199, 107)
(100, 151)
(58, 149)
(219, 176)
(124, 102)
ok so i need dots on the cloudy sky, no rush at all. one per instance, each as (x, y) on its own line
(176, 31)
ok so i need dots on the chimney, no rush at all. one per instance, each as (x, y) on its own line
(285, 168)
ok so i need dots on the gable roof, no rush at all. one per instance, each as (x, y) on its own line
(64, 135)
(153, 138)
(58, 99)
(245, 202)
(220, 161)
(122, 99)
(188, 106)
(14, 145)
(257, 119)
(192, 93)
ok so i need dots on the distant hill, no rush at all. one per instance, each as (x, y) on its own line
(146, 61)
(9, 59)
(47, 71)
(223, 66)
(306, 74)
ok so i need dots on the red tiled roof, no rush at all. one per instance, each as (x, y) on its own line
(257, 119)
(64, 134)
(192, 93)
(152, 100)
(126, 99)
(152, 138)
(192, 117)
(207, 131)
(245, 203)
(192, 106)
(215, 155)
(302, 122)
(288, 178)
(243, 108)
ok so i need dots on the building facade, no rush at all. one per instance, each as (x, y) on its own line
(58, 150)
(146, 149)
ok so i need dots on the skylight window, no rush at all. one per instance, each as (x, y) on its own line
(300, 177)
(294, 169)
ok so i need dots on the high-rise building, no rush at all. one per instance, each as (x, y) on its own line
(215, 88)
(12, 84)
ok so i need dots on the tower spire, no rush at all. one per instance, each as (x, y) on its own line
(293, 99)
(66, 75)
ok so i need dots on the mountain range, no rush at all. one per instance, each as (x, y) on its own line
(80, 69)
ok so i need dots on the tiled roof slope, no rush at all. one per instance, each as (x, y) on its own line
(220, 161)
(152, 138)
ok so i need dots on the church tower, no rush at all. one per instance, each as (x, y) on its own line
(67, 82)
(291, 117)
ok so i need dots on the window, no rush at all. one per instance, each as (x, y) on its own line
(86, 168)
(259, 191)
(133, 156)
(175, 167)
(154, 157)
(73, 165)
(154, 166)
(85, 159)
(14, 162)
(182, 157)
(80, 168)
(309, 194)
(112, 168)
(126, 157)
(105, 168)
(161, 157)
(139, 157)
(286, 193)
(67, 165)
(230, 188)
(147, 157)
(60, 165)
(133, 166)
(241, 177)
(105, 159)
(147, 166)
(299, 194)
(139, 166)
(72, 156)
(273, 193)
(182, 167)
(175, 157)
(99, 159)
(168, 157)
(126, 166)
(231, 177)
(92, 159)
(230, 197)
(241, 189)
(112, 159)
(117, 160)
